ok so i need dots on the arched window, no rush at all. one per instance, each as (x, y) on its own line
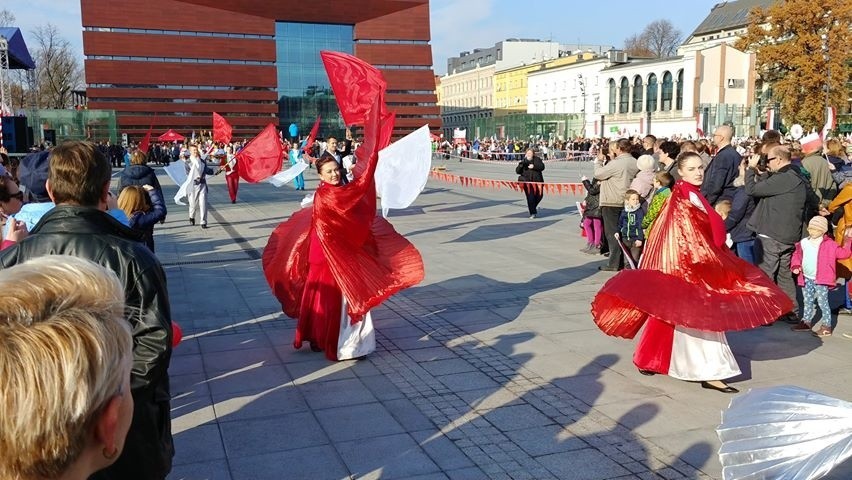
(611, 83)
(637, 94)
(651, 101)
(668, 90)
(624, 96)
(679, 91)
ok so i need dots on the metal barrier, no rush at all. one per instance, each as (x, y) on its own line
(505, 157)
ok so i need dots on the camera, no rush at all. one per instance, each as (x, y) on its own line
(763, 162)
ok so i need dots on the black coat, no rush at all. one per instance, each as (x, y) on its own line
(720, 176)
(593, 198)
(742, 206)
(785, 202)
(89, 233)
(531, 174)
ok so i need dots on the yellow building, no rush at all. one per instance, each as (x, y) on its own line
(510, 85)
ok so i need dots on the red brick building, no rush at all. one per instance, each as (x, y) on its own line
(174, 62)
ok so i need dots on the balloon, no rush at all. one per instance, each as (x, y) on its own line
(177, 334)
(294, 130)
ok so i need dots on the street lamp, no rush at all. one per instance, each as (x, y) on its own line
(581, 81)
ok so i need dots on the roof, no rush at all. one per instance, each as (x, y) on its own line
(642, 63)
(19, 56)
(730, 15)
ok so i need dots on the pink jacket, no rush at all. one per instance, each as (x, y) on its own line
(827, 257)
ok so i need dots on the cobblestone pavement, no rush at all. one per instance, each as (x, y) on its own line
(491, 368)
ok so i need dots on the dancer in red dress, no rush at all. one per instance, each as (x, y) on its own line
(688, 291)
(331, 263)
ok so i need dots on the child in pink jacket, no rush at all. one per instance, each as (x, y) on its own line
(814, 262)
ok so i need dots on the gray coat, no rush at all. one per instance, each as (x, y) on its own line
(615, 178)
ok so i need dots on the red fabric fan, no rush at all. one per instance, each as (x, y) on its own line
(688, 278)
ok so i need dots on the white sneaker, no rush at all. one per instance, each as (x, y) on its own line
(532, 216)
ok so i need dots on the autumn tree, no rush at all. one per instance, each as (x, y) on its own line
(58, 71)
(659, 39)
(802, 47)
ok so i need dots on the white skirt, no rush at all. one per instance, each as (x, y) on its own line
(355, 340)
(698, 355)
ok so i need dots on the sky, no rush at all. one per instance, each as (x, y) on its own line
(462, 25)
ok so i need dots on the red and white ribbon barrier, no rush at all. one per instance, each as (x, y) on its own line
(575, 189)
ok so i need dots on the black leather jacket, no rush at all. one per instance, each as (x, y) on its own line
(92, 234)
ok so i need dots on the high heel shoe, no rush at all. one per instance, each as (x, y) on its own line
(726, 389)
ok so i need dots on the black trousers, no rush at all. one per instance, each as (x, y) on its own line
(610, 223)
(534, 197)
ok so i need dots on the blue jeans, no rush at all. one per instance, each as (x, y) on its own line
(745, 250)
(812, 294)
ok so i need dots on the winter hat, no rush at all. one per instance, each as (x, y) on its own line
(32, 174)
(818, 223)
(646, 163)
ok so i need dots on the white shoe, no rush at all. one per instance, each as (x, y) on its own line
(532, 216)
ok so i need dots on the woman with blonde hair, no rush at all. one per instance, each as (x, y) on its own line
(65, 360)
(144, 207)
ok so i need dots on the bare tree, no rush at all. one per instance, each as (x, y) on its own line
(663, 38)
(58, 71)
(659, 39)
(7, 18)
(637, 46)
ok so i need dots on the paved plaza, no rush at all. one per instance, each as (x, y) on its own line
(491, 368)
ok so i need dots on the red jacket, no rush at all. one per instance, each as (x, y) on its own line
(827, 257)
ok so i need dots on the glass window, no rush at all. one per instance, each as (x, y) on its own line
(668, 88)
(303, 88)
(679, 91)
(637, 94)
(624, 96)
(651, 102)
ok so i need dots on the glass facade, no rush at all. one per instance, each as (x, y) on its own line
(304, 91)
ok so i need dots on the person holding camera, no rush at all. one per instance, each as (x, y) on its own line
(784, 201)
(529, 170)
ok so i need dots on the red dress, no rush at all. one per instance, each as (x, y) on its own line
(319, 312)
(688, 278)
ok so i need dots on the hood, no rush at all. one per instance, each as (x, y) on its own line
(138, 172)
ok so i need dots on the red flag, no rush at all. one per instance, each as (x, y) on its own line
(262, 156)
(355, 83)
(146, 141)
(313, 136)
(221, 129)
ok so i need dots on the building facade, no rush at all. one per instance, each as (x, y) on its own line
(571, 88)
(172, 63)
(680, 95)
(725, 23)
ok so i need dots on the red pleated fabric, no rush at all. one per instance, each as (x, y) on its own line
(687, 279)
(285, 261)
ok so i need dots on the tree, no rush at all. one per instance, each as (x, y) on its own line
(7, 18)
(58, 71)
(796, 44)
(659, 39)
(637, 46)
